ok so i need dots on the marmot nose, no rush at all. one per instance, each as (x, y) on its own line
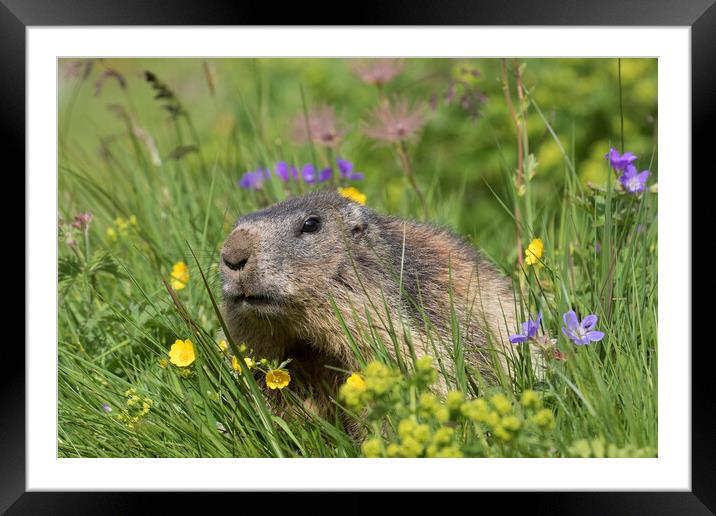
(237, 250)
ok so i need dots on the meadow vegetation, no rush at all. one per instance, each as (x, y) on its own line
(549, 166)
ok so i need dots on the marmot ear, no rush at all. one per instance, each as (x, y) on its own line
(358, 229)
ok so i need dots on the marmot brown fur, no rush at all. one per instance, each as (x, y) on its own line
(286, 269)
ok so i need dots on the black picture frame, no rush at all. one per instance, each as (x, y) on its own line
(700, 15)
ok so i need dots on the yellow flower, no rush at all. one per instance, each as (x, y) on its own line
(111, 235)
(356, 381)
(180, 276)
(533, 253)
(181, 353)
(163, 363)
(249, 364)
(353, 194)
(277, 379)
(223, 346)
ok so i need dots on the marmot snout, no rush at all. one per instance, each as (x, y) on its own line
(284, 268)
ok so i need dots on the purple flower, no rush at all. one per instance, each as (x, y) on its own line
(581, 333)
(253, 180)
(619, 162)
(106, 407)
(633, 182)
(346, 170)
(284, 172)
(325, 174)
(309, 173)
(529, 330)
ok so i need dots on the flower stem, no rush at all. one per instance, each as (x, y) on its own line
(520, 158)
(408, 170)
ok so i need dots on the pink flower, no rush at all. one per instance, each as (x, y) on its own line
(319, 127)
(82, 221)
(377, 71)
(395, 122)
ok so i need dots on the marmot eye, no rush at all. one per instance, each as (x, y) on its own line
(310, 225)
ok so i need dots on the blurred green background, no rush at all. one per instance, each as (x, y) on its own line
(242, 111)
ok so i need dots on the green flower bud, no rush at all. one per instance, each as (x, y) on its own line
(530, 400)
(501, 404)
(372, 448)
(454, 400)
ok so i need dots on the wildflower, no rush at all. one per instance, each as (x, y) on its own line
(284, 172)
(533, 253)
(501, 403)
(548, 346)
(249, 364)
(254, 179)
(619, 162)
(82, 221)
(476, 410)
(454, 400)
(530, 400)
(223, 346)
(544, 418)
(581, 333)
(633, 182)
(352, 194)
(394, 122)
(181, 353)
(345, 168)
(320, 126)
(379, 378)
(449, 452)
(529, 330)
(410, 447)
(106, 407)
(356, 380)
(111, 235)
(163, 363)
(511, 423)
(325, 174)
(308, 173)
(372, 448)
(180, 275)
(377, 71)
(443, 436)
(277, 379)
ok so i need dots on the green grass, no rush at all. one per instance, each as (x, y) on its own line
(117, 319)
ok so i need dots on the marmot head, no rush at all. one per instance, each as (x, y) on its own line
(278, 260)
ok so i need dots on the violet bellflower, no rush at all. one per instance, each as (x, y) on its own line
(254, 179)
(619, 162)
(632, 181)
(581, 333)
(529, 330)
(345, 168)
(285, 172)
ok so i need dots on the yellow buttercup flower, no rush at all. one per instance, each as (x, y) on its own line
(356, 381)
(235, 364)
(353, 194)
(223, 346)
(534, 251)
(181, 353)
(277, 379)
(180, 275)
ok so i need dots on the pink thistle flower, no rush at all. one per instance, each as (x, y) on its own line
(377, 71)
(395, 122)
(320, 127)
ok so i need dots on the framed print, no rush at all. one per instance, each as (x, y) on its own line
(395, 256)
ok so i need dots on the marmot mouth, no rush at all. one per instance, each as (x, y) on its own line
(255, 300)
